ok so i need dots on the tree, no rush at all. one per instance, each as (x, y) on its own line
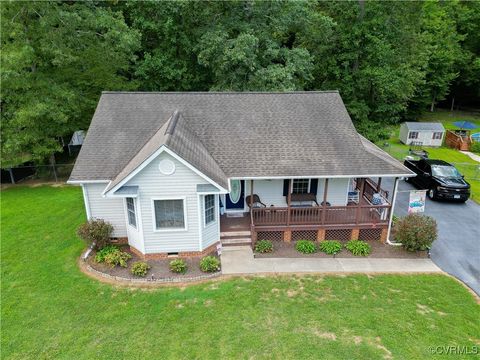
(372, 59)
(443, 49)
(56, 59)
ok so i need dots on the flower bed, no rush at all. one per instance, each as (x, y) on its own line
(159, 270)
(378, 250)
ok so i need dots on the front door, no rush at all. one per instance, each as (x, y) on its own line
(235, 200)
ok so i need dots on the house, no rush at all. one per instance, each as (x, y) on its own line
(422, 133)
(176, 173)
(76, 142)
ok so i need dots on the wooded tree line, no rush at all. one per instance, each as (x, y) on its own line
(389, 60)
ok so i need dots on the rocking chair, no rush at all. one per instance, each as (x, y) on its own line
(256, 203)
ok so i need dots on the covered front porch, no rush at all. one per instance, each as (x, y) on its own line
(313, 209)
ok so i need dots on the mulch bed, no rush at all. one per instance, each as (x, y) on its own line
(158, 268)
(287, 250)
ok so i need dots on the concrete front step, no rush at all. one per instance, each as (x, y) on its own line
(235, 233)
(236, 241)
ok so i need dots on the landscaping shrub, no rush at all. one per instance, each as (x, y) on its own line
(140, 268)
(358, 247)
(264, 246)
(330, 247)
(178, 266)
(95, 231)
(100, 256)
(305, 246)
(209, 264)
(475, 147)
(416, 232)
(117, 258)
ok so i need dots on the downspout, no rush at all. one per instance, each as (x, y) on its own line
(394, 199)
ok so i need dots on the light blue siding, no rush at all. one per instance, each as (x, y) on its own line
(181, 184)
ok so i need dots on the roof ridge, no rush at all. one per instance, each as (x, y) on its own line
(223, 92)
(143, 145)
(172, 122)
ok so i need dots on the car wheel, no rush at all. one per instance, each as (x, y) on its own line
(431, 194)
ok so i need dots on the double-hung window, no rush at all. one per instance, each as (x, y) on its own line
(413, 135)
(300, 186)
(437, 135)
(209, 209)
(169, 214)
(132, 218)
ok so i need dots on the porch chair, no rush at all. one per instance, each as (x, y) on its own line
(256, 202)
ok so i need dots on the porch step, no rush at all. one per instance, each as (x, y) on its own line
(235, 233)
(236, 241)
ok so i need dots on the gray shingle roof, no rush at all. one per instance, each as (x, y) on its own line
(425, 126)
(229, 135)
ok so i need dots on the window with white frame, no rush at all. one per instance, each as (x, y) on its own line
(209, 209)
(413, 135)
(437, 135)
(169, 214)
(300, 186)
(132, 218)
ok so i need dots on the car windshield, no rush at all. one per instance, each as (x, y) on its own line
(445, 171)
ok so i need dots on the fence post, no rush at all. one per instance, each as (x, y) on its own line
(52, 162)
(12, 178)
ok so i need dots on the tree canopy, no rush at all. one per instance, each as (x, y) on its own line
(389, 60)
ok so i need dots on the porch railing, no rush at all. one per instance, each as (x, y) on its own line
(330, 215)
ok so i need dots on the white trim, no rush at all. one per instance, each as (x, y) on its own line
(162, 149)
(217, 198)
(87, 181)
(392, 208)
(134, 212)
(140, 224)
(123, 196)
(308, 188)
(154, 222)
(320, 177)
(199, 218)
(205, 225)
(85, 200)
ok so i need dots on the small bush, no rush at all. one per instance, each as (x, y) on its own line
(358, 247)
(416, 232)
(475, 147)
(140, 268)
(100, 256)
(209, 264)
(305, 246)
(264, 246)
(330, 247)
(95, 231)
(117, 258)
(178, 266)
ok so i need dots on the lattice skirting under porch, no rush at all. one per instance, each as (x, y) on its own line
(304, 235)
(338, 234)
(270, 235)
(367, 234)
(370, 234)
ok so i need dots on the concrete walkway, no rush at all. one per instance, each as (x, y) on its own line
(240, 260)
(472, 155)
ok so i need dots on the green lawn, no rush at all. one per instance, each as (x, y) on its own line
(448, 118)
(51, 310)
(467, 166)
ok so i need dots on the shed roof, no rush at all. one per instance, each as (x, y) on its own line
(229, 135)
(425, 126)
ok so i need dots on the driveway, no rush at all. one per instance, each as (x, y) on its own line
(457, 249)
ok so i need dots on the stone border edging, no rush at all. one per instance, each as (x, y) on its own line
(119, 280)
